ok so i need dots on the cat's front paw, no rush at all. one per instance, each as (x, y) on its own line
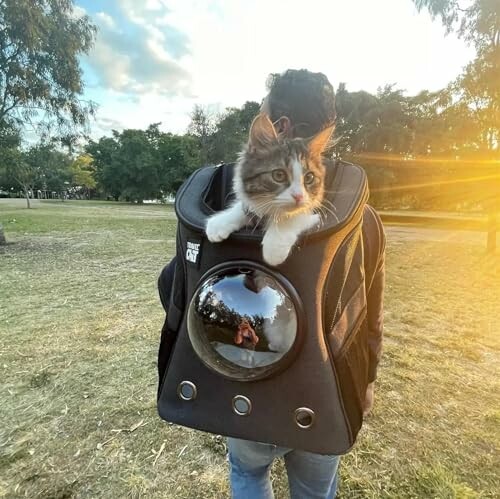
(276, 255)
(217, 229)
(275, 252)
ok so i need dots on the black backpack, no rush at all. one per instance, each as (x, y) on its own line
(276, 355)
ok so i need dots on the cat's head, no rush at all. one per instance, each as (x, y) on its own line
(277, 176)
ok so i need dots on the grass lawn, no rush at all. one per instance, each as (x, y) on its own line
(79, 328)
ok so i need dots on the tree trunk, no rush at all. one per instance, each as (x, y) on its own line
(27, 195)
(2, 236)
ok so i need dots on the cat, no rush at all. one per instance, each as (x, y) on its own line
(279, 181)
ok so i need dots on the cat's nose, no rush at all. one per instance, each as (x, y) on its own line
(298, 196)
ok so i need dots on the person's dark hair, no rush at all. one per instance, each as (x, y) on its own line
(306, 98)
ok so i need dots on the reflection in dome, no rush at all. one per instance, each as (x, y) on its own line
(242, 318)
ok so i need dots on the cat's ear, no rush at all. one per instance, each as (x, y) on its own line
(321, 141)
(262, 132)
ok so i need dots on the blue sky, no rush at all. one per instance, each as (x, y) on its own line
(154, 59)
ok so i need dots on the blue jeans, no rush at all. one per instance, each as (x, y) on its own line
(310, 476)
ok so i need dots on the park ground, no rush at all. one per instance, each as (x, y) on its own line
(79, 329)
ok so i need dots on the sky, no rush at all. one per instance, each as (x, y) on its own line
(153, 60)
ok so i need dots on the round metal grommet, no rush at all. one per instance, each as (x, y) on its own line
(187, 390)
(242, 405)
(304, 417)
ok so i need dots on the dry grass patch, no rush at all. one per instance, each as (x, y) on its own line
(79, 326)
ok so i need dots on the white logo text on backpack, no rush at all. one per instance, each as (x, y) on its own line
(192, 252)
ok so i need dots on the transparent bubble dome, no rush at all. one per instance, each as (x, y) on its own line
(242, 323)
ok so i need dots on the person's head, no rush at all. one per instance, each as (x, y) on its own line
(299, 103)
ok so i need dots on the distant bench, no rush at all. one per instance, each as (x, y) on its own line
(434, 220)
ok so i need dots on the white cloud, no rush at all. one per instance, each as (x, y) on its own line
(172, 54)
(140, 61)
(118, 113)
(106, 20)
(154, 5)
(78, 12)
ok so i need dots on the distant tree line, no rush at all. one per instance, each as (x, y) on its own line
(385, 131)
(41, 42)
(375, 130)
(44, 170)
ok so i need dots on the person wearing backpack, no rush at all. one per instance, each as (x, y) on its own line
(301, 103)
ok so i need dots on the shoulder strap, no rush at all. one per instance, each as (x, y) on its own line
(174, 306)
(337, 278)
(373, 243)
(177, 297)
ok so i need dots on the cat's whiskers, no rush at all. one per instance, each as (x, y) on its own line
(265, 209)
(255, 225)
(276, 219)
(260, 210)
(330, 203)
(322, 213)
(328, 210)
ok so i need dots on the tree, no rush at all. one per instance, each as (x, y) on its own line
(47, 168)
(143, 164)
(10, 140)
(102, 153)
(476, 21)
(137, 163)
(179, 156)
(386, 128)
(231, 132)
(372, 123)
(15, 173)
(55, 174)
(478, 87)
(202, 126)
(431, 131)
(352, 107)
(40, 77)
(21, 174)
(82, 174)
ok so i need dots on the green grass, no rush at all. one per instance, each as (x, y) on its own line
(79, 327)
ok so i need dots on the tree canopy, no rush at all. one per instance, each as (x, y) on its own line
(40, 82)
(143, 164)
(40, 76)
(477, 89)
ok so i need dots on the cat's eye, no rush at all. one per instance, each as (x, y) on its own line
(279, 175)
(309, 178)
